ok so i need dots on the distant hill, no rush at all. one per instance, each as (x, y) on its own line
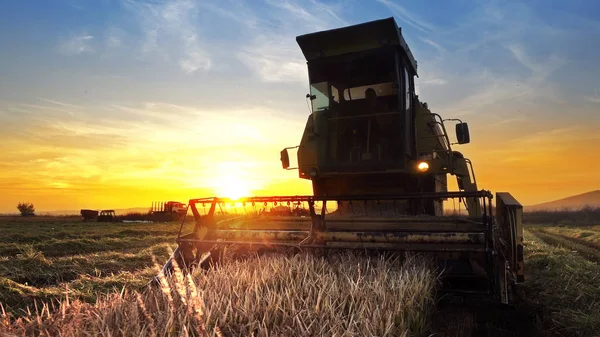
(573, 202)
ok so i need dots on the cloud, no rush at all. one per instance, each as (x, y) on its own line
(144, 125)
(170, 29)
(541, 147)
(59, 185)
(272, 53)
(540, 69)
(195, 59)
(548, 137)
(235, 11)
(62, 104)
(294, 12)
(59, 149)
(491, 55)
(434, 81)
(273, 59)
(113, 38)
(595, 97)
(435, 45)
(163, 144)
(77, 44)
(408, 17)
(77, 4)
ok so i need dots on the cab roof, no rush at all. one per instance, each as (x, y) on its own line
(364, 36)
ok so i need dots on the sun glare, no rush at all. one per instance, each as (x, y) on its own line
(233, 189)
(231, 186)
(232, 179)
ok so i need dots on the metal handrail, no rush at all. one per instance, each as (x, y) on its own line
(472, 171)
(444, 134)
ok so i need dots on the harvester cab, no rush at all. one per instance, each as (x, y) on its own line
(378, 160)
(368, 133)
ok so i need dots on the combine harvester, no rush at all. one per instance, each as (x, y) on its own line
(378, 159)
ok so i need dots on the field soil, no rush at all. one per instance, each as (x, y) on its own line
(62, 275)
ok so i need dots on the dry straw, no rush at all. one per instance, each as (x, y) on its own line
(301, 295)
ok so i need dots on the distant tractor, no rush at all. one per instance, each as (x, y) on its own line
(106, 215)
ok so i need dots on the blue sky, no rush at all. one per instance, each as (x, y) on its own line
(91, 90)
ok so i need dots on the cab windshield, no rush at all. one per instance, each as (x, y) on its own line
(357, 108)
(341, 79)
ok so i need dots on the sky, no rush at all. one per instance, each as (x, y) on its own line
(118, 103)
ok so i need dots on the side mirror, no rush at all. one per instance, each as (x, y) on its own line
(462, 133)
(285, 159)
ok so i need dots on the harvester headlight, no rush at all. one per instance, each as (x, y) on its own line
(423, 166)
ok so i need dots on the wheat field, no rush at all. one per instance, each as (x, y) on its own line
(301, 295)
(64, 277)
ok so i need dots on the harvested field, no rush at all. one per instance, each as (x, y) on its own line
(270, 296)
(99, 278)
(576, 245)
(299, 295)
(563, 287)
(589, 236)
(41, 256)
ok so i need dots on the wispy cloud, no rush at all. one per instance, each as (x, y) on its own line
(435, 45)
(294, 12)
(234, 10)
(273, 59)
(434, 81)
(408, 17)
(63, 104)
(542, 146)
(170, 29)
(77, 44)
(272, 52)
(548, 137)
(113, 38)
(58, 148)
(77, 4)
(595, 97)
(490, 56)
(540, 69)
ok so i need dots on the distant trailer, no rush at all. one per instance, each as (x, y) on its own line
(89, 214)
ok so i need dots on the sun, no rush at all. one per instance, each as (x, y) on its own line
(232, 187)
(233, 179)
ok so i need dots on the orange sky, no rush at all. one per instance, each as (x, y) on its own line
(153, 103)
(81, 169)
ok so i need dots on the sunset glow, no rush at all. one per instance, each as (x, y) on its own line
(119, 105)
(232, 183)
